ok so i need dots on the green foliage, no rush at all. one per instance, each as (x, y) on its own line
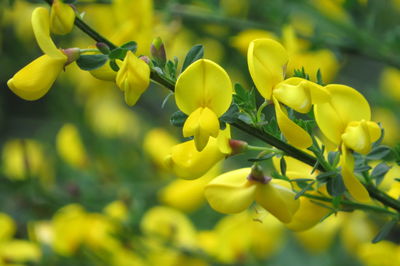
(385, 230)
(194, 54)
(178, 119)
(379, 172)
(92, 61)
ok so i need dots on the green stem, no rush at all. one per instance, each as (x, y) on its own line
(88, 51)
(266, 149)
(260, 109)
(352, 204)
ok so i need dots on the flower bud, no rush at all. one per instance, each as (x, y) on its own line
(72, 54)
(62, 17)
(237, 146)
(133, 78)
(103, 47)
(157, 51)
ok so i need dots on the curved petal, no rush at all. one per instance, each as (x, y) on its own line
(353, 185)
(203, 84)
(41, 29)
(202, 124)
(346, 105)
(34, 80)
(62, 17)
(231, 192)
(359, 135)
(277, 199)
(293, 95)
(294, 134)
(267, 60)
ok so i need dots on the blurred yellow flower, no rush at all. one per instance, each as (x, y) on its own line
(187, 195)
(204, 92)
(117, 210)
(389, 122)
(384, 253)
(70, 146)
(390, 83)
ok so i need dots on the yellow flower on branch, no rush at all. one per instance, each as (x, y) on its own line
(204, 92)
(133, 78)
(267, 61)
(62, 17)
(344, 120)
(235, 191)
(34, 80)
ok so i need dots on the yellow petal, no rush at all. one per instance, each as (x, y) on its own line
(34, 80)
(359, 135)
(70, 146)
(203, 84)
(294, 134)
(202, 124)
(277, 199)
(231, 192)
(133, 78)
(267, 60)
(41, 29)
(353, 185)
(346, 105)
(62, 17)
(188, 163)
(244, 38)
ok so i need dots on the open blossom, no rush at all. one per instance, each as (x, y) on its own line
(267, 61)
(34, 80)
(345, 121)
(236, 190)
(204, 92)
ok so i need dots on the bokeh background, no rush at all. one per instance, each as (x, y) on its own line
(82, 175)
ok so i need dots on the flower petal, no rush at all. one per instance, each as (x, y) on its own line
(267, 60)
(41, 29)
(353, 185)
(34, 80)
(203, 84)
(346, 105)
(294, 134)
(231, 192)
(277, 199)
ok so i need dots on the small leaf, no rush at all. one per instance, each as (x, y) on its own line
(319, 77)
(114, 66)
(333, 158)
(326, 175)
(335, 186)
(379, 172)
(304, 190)
(91, 61)
(231, 115)
(379, 152)
(132, 46)
(362, 168)
(283, 165)
(118, 53)
(178, 118)
(385, 230)
(194, 54)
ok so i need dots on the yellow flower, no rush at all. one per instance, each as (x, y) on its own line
(345, 122)
(133, 78)
(62, 17)
(187, 195)
(234, 191)
(186, 162)
(70, 147)
(267, 61)
(35, 80)
(204, 92)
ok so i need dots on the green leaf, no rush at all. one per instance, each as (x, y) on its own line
(283, 165)
(333, 158)
(335, 186)
(114, 65)
(326, 175)
(262, 158)
(385, 230)
(379, 152)
(319, 78)
(194, 54)
(178, 118)
(304, 190)
(231, 115)
(132, 46)
(91, 61)
(118, 53)
(379, 172)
